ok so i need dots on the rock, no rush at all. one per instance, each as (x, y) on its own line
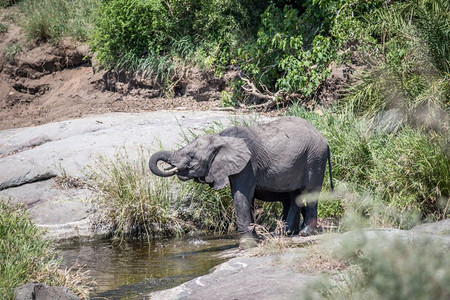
(263, 277)
(31, 157)
(282, 275)
(41, 291)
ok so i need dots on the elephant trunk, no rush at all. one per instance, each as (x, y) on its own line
(156, 169)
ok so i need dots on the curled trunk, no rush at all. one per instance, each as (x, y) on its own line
(156, 169)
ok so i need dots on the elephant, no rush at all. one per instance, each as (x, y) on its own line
(275, 161)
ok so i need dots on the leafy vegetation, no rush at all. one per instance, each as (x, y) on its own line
(3, 28)
(388, 133)
(6, 3)
(26, 256)
(406, 169)
(380, 269)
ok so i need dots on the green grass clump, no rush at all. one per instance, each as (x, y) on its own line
(133, 203)
(385, 269)
(26, 256)
(208, 209)
(406, 169)
(55, 19)
(6, 3)
(3, 28)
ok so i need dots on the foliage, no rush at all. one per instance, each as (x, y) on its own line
(133, 203)
(392, 269)
(208, 209)
(3, 28)
(280, 58)
(406, 169)
(54, 19)
(26, 256)
(134, 31)
(12, 51)
(413, 61)
(6, 3)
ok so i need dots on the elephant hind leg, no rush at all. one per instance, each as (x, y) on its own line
(291, 211)
(309, 214)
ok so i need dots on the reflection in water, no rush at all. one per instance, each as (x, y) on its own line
(135, 268)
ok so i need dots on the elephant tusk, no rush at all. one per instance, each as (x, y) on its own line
(172, 169)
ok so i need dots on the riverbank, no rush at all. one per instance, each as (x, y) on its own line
(296, 271)
(43, 166)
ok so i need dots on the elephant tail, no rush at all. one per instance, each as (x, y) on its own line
(329, 168)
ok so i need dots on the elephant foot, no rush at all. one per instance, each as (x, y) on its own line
(247, 242)
(309, 230)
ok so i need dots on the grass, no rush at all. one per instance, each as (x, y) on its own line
(6, 3)
(3, 28)
(12, 51)
(55, 19)
(26, 256)
(133, 203)
(406, 169)
(386, 269)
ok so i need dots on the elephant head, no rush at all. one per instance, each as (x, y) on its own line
(208, 159)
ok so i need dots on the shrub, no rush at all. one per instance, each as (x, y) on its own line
(413, 64)
(280, 58)
(26, 256)
(406, 169)
(3, 28)
(140, 30)
(383, 269)
(6, 3)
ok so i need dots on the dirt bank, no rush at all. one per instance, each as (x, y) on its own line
(42, 83)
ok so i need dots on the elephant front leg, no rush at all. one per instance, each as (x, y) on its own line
(242, 189)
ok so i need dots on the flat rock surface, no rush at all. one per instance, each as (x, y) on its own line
(275, 276)
(31, 158)
(251, 274)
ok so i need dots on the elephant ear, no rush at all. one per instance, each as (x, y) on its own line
(231, 157)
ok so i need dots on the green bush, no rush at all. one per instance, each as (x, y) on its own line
(280, 59)
(26, 256)
(384, 269)
(406, 169)
(413, 63)
(6, 3)
(136, 30)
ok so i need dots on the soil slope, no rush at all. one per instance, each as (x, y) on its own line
(44, 83)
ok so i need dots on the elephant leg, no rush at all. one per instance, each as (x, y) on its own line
(286, 207)
(309, 214)
(242, 189)
(293, 214)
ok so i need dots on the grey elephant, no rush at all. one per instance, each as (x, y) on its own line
(277, 161)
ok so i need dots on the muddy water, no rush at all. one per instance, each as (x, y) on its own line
(134, 269)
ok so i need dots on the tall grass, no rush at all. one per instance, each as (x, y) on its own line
(6, 3)
(385, 269)
(26, 256)
(131, 201)
(406, 169)
(55, 19)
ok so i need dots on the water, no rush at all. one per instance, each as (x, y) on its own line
(133, 269)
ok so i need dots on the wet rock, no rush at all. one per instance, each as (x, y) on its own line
(41, 291)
